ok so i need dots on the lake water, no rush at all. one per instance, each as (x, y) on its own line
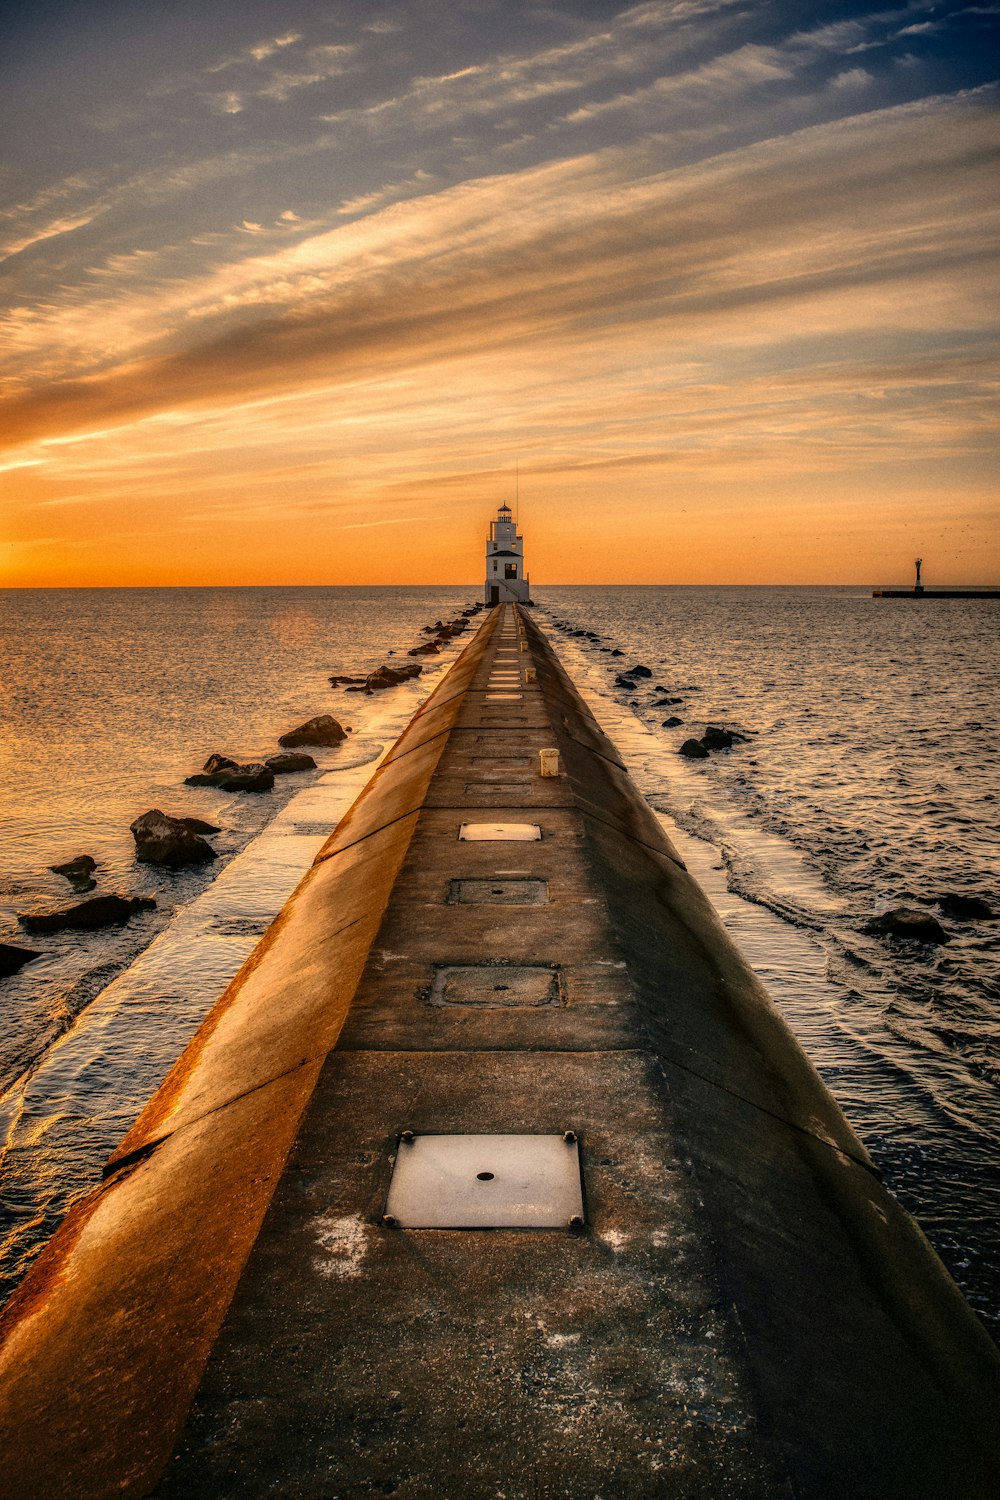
(869, 778)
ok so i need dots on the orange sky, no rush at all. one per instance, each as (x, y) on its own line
(726, 299)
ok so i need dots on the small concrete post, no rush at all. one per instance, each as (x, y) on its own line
(548, 762)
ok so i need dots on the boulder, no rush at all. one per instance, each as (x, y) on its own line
(219, 763)
(716, 738)
(253, 777)
(387, 677)
(100, 911)
(906, 922)
(322, 730)
(13, 958)
(431, 649)
(639, 671)
(80, 868)
(341, 681)
(694, 750)
(283, 765)
(615, 652)
(199, 825)
(672, 722)
(78, 872)
(955, 905)
(166, 841)
(625, 682)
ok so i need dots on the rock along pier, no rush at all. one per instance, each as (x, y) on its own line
(495, 1173)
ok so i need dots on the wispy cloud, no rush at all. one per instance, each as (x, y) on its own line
(49, 232)
(821, 240)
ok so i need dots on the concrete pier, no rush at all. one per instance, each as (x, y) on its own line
(743, 1311)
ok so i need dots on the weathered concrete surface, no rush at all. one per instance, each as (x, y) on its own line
(745, 1313)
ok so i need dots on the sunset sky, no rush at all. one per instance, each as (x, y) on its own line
(290, 288)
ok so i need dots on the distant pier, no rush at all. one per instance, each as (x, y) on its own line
(922, 593)
(495, 1172)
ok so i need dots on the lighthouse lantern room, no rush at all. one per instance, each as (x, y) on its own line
(506, 580)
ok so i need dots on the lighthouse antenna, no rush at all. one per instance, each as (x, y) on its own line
(517, 491)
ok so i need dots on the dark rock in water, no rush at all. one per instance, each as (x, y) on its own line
(78, 870)
(616, 652)
(282, 765)
(386, 677)
(340, 681)
(639, 671)
(624, 682)
(253, 777)
(322, 730)
(199, 825)
(219, 763)
(715, 738)
(13, 958)
(955, 905)
(667, 702)
(166, 841)
(431, 649)
(905, 922)
(694, 750)
(672, 722)
(101, 911)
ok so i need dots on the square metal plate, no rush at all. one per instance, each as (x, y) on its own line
(486, 1182)
(517, 792)
(498, 985)
(521, 833)
(523, 891)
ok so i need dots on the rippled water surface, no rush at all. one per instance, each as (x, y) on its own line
(869, 777)
(108, 699)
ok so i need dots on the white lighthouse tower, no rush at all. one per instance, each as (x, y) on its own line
(506, 580)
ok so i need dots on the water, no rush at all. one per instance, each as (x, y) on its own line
(869, 777)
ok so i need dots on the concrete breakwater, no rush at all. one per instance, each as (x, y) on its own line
(743, 1310)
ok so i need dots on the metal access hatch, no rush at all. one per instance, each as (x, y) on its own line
(486, 1182)
(474, 833)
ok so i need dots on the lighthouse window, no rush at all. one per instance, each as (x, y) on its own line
(510, 570)
(494, 567)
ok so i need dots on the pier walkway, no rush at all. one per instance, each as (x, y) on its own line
(662, 1266)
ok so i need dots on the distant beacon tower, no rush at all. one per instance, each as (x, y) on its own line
(506, 580)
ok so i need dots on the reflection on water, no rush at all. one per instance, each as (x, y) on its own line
(110, 698)
(869, 779)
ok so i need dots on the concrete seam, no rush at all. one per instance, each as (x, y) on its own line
(665, 1061)
(653, 848)
(321, 859)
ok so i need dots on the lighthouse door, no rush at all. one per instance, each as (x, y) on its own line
(494, 594)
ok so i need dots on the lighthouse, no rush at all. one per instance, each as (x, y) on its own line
(506, 580)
